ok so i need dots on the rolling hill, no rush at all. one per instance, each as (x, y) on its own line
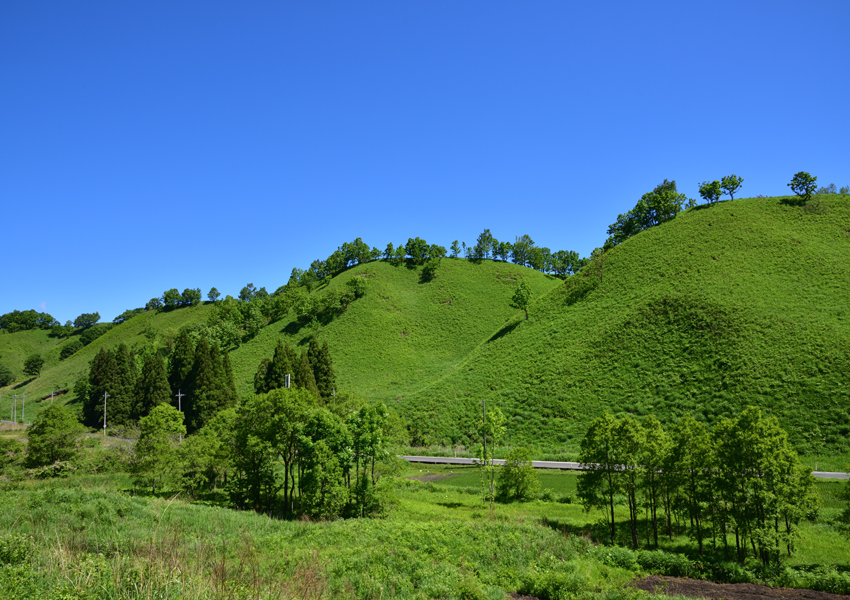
(741, 302)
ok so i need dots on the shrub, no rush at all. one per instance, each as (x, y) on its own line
(94, 332)
(53, 436)
(517, 479)
(6, 375)
(70, 348)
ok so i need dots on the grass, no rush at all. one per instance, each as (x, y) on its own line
(741, 302)
(90, 537)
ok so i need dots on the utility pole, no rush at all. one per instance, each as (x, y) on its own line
(286, 381)
(105, 396)
(51, 396)
(15, 409)
(180, 395)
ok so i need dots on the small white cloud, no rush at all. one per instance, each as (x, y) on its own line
(43, 306)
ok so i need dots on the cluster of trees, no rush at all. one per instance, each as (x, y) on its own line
(658, 206)
(522, 252)
(831, 189)
(22, 320)
(284, 452)
(313, 370)
(135, 385)
(712, 190)
(172, 299)
(742, 480)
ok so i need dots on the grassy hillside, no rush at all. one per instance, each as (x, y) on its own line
(403, 332)
(743, 302)
(61, 374)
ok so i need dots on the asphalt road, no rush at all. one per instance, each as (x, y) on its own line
(551, 464)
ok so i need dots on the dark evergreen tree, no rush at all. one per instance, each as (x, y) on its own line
(100, 375)
(261, 377)
(304, 375)
(182, 359)
(323, 371)
(279, 367)
(152, 388)
(209, 392)
(119, 408)
(229, 379)
(313, 351)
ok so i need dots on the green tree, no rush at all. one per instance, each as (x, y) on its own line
(152, 387)
(208, 454)
(70, 348)
(99, 383)
(122, 383)
(157, 457)
(180, 364)
(652, 461)
(6, 375)
(517, 478)
(491, 431)
(33, 365)
(455, 249)
(521, 297)
(629, 440)
(304, 375)
(86, 320)
(53, 436)
(521, 250)
(658, 206)
(710, 191)
(730, 184)
(213, 295)
(803, 185)
(692, 458)
(324, 491)
(170, 299)
(599, 483)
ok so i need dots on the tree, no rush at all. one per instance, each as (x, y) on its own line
(6, 375)
(152, 387)
(86, 320)
(522, 297)
(157, 459)
(803, 185)
(827, 189)
(90, 334)
(70, 348)
(246, 294)
(658, 206)
(730, 184)
(517, 478)
(710, 191)
(33, 365)
(491, 430)
(53, 436)
(304, 375)
(153, 304)
(171, 299)
(656, 448)
(190, 297)
(845, 189)
(599, 482)
(521, 250)
(180, 364)
(323, 371)
(323, 488)
(455, 249)
(482, 246)
(213, 295)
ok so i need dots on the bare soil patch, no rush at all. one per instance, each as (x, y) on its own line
(696, 588)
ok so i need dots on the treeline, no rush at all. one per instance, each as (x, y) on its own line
(23, 320)
(313, 370)
(739, 484)
(135, 384)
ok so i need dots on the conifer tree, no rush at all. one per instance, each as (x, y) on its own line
(313, 351)
(209, 391)
(323, 371)
(100, 369)
(278, 368)
(119, 408)
(182, 359)
(304, 375)
(262, 376)
(152, 388)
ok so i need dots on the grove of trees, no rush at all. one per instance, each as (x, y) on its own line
(739, 486)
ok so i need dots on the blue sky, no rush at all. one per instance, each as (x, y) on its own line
(151, 145)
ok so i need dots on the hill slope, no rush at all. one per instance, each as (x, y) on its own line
(743, 302)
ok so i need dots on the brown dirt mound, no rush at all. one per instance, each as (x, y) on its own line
(696, 588)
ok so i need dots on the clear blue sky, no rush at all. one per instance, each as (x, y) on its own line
(151, 145)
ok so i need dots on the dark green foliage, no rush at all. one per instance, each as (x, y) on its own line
(180, 363)
(90, 334)
(655, 207)
(156, 455)
(190, 297)
(70, 348)
(11, 452)
(127, 315)
(517, 478)
(804, 185)
(33, 365)
(521, 298)
(86, 320)
(6, 375)
(152, 387)
(261, 377)
(710, 191)
(213, 295)
(53, 436)
(304, 375)
(153, 304)
(323, 371)
(209, 391)
(279, 367)
(170, 299)
(111, 372)
(25, 320)
(731, 184)
(100, 377)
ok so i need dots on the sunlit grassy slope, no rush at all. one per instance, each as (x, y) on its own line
(743, 302)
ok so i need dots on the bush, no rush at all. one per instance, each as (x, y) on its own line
(551, 585)
(94, 332)
(53, 437)
(70, 348)
(517, 478)
(6, 375)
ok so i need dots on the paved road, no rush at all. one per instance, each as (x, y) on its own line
(551, 464)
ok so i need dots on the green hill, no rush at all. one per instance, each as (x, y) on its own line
(741, 302)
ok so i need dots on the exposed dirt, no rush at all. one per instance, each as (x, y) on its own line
(696, 588)
(432, 476)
